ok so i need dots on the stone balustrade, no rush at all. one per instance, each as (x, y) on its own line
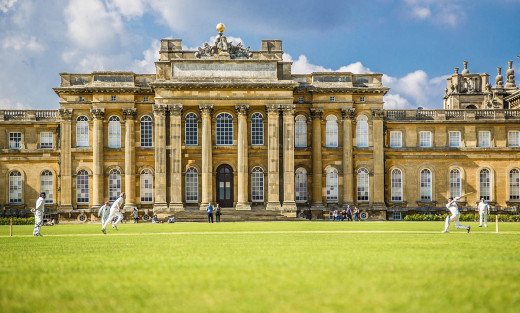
(28, 115)
(443, 115)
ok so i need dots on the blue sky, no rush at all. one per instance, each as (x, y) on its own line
(414, 43)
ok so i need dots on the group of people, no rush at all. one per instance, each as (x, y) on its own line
(209, 211)
(483, 211)
(346, 214)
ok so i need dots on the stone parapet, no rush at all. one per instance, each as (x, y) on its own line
(457, 115)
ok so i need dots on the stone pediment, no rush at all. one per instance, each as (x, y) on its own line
(223, 48)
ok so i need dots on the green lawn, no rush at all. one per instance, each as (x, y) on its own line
(261, 267)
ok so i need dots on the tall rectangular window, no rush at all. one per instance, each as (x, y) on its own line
(485, 184)
(332, 98)
(257, 185)
(113, 98)
(361, 99)
(145, 99)
(426, 185)
(397, 185)
(47, 185)
(514, 138)
(191, 130)
(15, 140)
(257, 129)
(396, 139)
(146, 131)
(484, 139)
(46, 140)
(300, 99)
(455, 183)
(425, 139)
(454, 139)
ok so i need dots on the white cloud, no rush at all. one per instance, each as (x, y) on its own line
(421, 13)
(7, 104)
(438, 12)
(417, 88)
(395, 101)
(6, 5)
(128, 8)
(147, 64)
(22, 43)
(302, 66)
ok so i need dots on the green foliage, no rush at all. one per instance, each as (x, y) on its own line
(425, 217)
(17, 220)
(468, 217)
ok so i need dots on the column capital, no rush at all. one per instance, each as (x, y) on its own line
(65, 114)
(175, 109)
(98, 113)
(242, 109)
(129, 113)
(288, 109)
(160, 109)
(273, 109)
(348, 113)
(316, 113)
(378, 114)
(206, 109)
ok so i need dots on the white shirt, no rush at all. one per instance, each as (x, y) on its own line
(40, 204)
(117, 203)
(454, 209)
(483, 207)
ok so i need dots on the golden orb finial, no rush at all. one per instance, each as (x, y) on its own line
(221, 27)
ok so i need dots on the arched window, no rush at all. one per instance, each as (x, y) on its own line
(47, 185)
(362, 131)
(114, 132)
(331, 131)
(82, 192)
(191, 135)
(257, 184)
(82, 132)
(426, 185)
(300, 132)
(257, 129)
(300, 185)
(192, 185)
(15, 187)
(362, 184)
(397, 185)
(146, 131)
(455, 183)
(332, 185)
(224, 129)
(485, 184)
(514, 184)
(146, 186)
(114, 185)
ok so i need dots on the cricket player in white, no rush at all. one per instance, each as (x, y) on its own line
(483, 211)
(38, 214)
(115, 211)
(455, 215)
(104, 212)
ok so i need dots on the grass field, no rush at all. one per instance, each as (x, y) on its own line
(261, 267)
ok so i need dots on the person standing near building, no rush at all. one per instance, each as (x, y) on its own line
(455, 215)
(218, 212)
(209, 210)
(38, 214)
(135, 213)
(483, 211)
(115, 211)
(104, 212)
(349, 213)
(356, 214)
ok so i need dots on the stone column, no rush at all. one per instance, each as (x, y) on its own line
(242, 160)
(129, 115)
(206, 110)
(160, 204)
(66, 197)
(289, 205)
(176, 158)
(317, 164)
(378, 194)
(97, 159)
(348, 164)
(273, 167)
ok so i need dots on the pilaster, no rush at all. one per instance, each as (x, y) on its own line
(289, 205)
(378, 197)
(206, 110)
(97, 159)
(317, 164)
(176, 158)
(129, 115)
(273, 189)
(242, 158)
(160, 204)
(65, 200)
(348, 164)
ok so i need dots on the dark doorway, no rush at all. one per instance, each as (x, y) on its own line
(225, 186)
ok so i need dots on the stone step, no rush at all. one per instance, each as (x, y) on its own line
(231, 215)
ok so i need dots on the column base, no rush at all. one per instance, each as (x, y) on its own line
(176, 206)
(273, 206)
(130, 206)
(289, 206)
(243, 206)
(345, 204)
(317, 206)
(378, 206)
(160, 208)
(203, 206)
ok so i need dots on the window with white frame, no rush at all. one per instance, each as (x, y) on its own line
(113, 98)
(514, 138)
(300, 185)
(332, 185)
(15, 187)
(362, 131)
(191, 129)
(114, 185)
(145, 99)
(82, 186)
(47, 185)
(300, 132)
(192, 185)
(361, 99)
(146, 131)
(485, 184)
(257, 129)
(332, 98)
(426, 185)
(454, 139)
(455, 183)
(425, 139)
(146, 186)
(114, 132)
(15, 140)
(46, 140)
(224, 129)
(396, 139)
(82, 132)
(514, 184)
(81, 99)
(397, 185)
(484, 139)
(257, 184)
(397, 216)
(362, 184)
(331, 131)
(300, 99)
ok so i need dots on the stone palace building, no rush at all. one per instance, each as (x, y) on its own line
(228, 125)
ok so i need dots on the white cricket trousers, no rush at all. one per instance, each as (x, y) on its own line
(113, 213)
(38, 220)
(483, 216)
(455, 218)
